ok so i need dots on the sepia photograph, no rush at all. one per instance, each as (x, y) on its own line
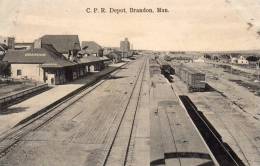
(130, 83)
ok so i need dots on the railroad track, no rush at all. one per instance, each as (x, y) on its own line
(174, 138)
(11, 138)
(221, 151)
(231, 134)
(127, 119)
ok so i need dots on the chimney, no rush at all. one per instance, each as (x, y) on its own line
(37, 43)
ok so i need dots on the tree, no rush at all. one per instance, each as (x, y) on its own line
(252, 58)
(5, 69)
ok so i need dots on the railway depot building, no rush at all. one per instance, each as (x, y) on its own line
(40, 64)
(47, 65)
(52, 59)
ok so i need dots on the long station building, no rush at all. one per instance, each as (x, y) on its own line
(52, 60)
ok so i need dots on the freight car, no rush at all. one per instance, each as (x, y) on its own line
(154, 67)
(195, 80)
(166, 68)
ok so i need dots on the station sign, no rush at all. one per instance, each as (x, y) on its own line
(35, 54)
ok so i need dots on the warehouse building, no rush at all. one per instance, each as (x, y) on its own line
(67, 45)
(92, 48)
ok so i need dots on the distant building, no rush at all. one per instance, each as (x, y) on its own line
(8, 41)
(115, 56)
(67, 45)
(199, 60)
(125, 47)
(107, 50)
(242, 60)
(234, 60)
(130, 53)
(92, 48)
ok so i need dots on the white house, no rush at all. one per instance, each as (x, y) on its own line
(234, 60)
(199, 60)
(242, 60)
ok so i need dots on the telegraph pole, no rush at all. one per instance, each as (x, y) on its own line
(231, 63)
(257, 68)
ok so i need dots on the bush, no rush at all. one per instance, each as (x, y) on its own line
(5, 69)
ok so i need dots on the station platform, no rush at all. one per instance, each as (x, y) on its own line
(16, 113)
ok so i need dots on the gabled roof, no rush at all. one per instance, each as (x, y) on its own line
(62, 43)
(91, 45)
(50, 47)
(43, 56)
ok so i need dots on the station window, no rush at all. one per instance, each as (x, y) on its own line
(19, 72)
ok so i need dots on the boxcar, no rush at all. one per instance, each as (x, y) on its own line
(195, 80)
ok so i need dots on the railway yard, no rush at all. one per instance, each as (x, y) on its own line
(232, 109)
(138, 115)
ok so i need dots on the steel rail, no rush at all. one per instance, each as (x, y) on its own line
(13, 137)
(122, 117)
(223, 155)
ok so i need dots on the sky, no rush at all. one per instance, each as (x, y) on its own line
(190, 25)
